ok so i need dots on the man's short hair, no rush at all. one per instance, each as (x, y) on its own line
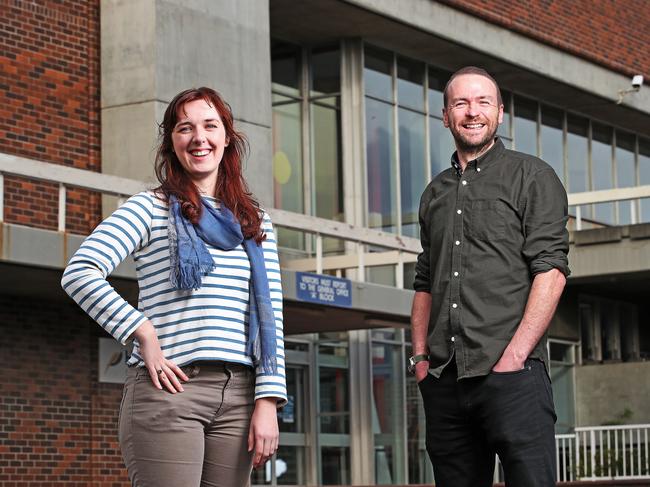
(472, 70)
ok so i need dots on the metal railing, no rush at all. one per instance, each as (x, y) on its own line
(362, 243)
(578, 200)
(397, 250)
(600, 453)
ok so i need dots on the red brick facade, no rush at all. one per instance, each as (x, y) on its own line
(58, 425)
(49, 104)
(612, 33)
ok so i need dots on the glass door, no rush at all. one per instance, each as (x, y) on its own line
(563, 358)
(290, 465)
(333, 408)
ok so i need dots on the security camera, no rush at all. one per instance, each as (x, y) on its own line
(637, 83)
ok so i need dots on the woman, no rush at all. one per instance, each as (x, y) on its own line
(207, 369)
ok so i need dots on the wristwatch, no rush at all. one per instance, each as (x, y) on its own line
(414, 360)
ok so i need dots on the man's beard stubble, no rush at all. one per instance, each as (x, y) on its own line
(473, 148)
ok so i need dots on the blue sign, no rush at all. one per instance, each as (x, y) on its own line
(321, 289)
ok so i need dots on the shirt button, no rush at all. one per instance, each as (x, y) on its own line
(457, 242)
(478, 169)
(459, 211)
(464, 183)
(455, 273)
(454, 305)
(453, 339)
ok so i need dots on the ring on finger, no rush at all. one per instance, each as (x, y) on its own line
(159, 371)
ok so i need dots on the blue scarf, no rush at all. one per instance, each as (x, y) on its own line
(190, 260)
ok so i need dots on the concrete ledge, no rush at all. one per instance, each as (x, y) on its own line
(47, 249)
(640, 231)
(598, 235)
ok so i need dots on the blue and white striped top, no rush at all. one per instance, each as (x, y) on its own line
(210, 323)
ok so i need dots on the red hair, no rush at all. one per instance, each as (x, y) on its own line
(232, 190)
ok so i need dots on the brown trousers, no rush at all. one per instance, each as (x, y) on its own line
(195, 438)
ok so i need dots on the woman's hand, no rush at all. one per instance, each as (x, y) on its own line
(264, 433)
(163, 372)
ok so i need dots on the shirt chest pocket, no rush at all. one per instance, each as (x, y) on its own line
(486, 220)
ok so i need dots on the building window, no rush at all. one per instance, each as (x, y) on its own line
(419, 466)
(388, 406)
(644, 176)
(609, 330)
(307, 171)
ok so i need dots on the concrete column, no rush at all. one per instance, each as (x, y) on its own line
(153, 49)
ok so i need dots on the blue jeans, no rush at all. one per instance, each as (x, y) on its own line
(469, 420)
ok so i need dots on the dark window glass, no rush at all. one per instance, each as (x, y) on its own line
(376, 74)
(644, 176)
(525, 125)
(578, 159)
(410, 84)
(504, 127)
(325, 71)
(437, 81)
(551, 139)
(285, 67)
(601, 167)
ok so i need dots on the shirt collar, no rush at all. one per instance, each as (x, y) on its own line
(485, 160)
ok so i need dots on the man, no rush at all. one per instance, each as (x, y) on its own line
(493, 267)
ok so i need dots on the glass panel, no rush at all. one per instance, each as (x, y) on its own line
(563, 396)
(327, 168)
(334, 400)
(409, 273)
(291, 418)
(525, 126)
(290, 465)
(437, 81)
(410, 84)
(601, 167)
(325, 64)
(285, 68)
(381, 274)
(336, 465)
(441, 144)
(625, 173)
(504, 128)
(551, 139)
(380, 155)
(388, 409)
(377, 73)
(644, 176)
(578, 159)
(419, 466)
(287, 168)
(413, 168)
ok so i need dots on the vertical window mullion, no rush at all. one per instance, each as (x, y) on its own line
(565, 150)
(590, 176)
(398, 179)
(513, 125)
(427, 135)
(637, 178)
(614, 174)
(539, 129)
(306, 135)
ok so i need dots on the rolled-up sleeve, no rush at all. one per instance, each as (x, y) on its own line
(545, 216)
(422, 280)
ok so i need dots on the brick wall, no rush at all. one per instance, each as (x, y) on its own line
(49, 104)
(611, 33)
(58, 425)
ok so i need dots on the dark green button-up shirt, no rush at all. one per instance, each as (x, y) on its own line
(485, 233)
